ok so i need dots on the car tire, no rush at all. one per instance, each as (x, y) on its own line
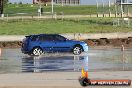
(37, 51)
(77, 50)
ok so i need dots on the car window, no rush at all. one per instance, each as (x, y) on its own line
(46, 38)
(59, 38)
(41, 38)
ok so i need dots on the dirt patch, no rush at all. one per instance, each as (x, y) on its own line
(13, 44)
(109, 42)
(91, 42)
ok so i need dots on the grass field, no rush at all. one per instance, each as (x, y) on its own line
(90, 25)
(32, 9)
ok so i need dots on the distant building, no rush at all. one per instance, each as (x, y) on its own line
(72, 2)
(119, 1)
(68, 2)
(35, 1)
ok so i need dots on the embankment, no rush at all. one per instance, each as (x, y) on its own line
(127, 42)
(92, 39)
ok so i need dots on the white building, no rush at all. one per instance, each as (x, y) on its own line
(73, 2)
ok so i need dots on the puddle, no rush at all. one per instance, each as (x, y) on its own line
(13, 61)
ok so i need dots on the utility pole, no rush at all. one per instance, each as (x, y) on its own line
(109, 8)
(115, 3)
(52, 3)
(1, 7)
(103, 7)
(61, 2)
(127, 9)
(97, 8)
(40, 7)
(123, 1)
(121, 9)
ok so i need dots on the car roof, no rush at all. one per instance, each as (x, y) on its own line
(41, 34)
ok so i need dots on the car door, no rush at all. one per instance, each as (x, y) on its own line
(46, 43)
(61, 44)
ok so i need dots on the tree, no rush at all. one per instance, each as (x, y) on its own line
(20, 2)
(5, 2)
(2, 4)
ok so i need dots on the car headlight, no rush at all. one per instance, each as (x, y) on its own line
(85, 44)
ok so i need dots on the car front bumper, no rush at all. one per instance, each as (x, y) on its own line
(85, 48)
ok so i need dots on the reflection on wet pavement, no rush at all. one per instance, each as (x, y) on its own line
(13, 61)
(40, 64)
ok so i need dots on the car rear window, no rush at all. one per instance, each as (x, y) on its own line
(34, 38)
(26, 38)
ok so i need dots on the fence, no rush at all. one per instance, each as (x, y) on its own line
(122, 22)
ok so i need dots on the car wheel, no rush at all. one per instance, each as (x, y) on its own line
(37, 51)
(77, 50)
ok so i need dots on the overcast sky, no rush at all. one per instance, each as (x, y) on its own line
(82, 1)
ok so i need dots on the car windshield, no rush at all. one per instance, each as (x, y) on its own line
(59, 38)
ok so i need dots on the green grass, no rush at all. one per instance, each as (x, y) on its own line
(83, 25)
(32, 9)
(91, 25)
(12, 9)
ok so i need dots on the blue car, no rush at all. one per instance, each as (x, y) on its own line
(39, 44)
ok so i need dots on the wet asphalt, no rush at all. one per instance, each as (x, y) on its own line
(13, 61)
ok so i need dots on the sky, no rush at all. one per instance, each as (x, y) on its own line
(23, 1)
(82, 1)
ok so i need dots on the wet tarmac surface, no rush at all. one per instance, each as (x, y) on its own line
(13, 61)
